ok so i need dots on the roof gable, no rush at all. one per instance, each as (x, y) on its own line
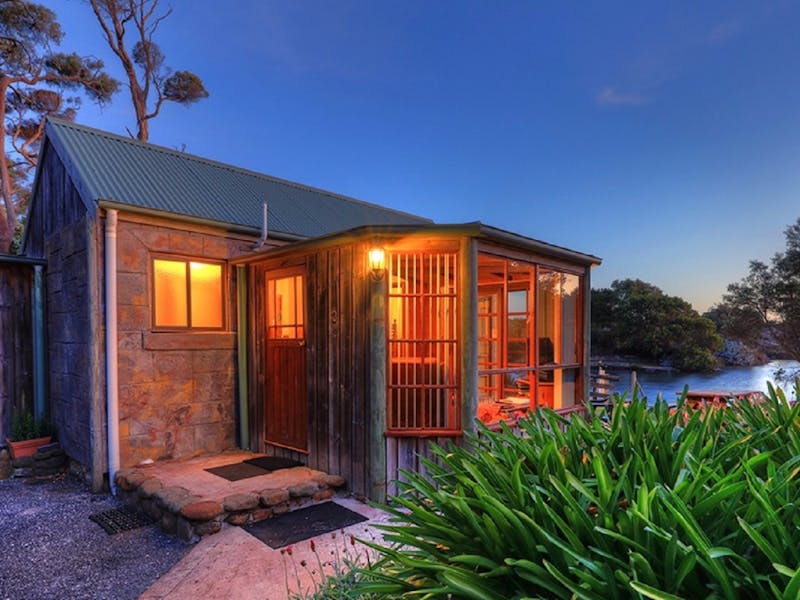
(109, 167)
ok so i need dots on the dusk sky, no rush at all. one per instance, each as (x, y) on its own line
(663, 137)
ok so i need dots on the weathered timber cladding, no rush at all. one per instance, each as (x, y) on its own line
(16, 343)
(176, 389)
(404, 453)
(63, 232)
(62, 206)
(337, 361)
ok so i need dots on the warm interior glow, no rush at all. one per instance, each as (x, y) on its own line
(169, 280)
(206, 286)
(377, 261)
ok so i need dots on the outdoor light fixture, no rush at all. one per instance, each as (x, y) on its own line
(377, 263)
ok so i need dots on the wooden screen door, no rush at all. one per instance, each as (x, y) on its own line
(286, 403)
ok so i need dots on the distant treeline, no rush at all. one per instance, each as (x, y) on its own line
(761, 313)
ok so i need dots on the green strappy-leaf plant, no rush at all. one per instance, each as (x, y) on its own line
(645, 502)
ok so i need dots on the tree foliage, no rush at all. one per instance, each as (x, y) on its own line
(151, 82)
(636, 318)
(34, 81)
(767, 299)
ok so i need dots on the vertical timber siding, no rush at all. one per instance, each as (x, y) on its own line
(337, 362)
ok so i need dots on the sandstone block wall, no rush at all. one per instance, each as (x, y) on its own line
(177, 389)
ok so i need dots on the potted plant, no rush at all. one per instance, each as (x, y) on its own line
(28, 434)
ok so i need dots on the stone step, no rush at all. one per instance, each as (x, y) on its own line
(190, 516)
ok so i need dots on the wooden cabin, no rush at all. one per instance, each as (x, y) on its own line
(366, 345)
(345, 335)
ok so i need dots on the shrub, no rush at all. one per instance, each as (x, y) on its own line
(649, 504)
(25, 427)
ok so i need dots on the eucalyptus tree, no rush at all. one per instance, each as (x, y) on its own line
(35, 80)
(150, 81)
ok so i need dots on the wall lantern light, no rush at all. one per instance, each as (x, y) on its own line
(377, 263)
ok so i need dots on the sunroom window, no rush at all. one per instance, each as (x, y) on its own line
(529, 341)
(422, 374)
(187, 294)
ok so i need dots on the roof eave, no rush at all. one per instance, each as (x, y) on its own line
(193, 220)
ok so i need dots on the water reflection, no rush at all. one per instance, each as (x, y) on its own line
(738, 378)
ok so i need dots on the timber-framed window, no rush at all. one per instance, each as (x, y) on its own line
(423, 349)
(187, 294)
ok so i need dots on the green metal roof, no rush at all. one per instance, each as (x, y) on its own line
(110, 168)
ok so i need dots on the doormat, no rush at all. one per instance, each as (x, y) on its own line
(273, 463)
(304, 523)
(237, 471)
(122, 519)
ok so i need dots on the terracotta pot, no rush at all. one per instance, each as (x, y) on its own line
(27, 447)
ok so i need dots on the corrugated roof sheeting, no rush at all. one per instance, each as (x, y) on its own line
(126, 171)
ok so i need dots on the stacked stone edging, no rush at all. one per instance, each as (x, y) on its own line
(190, 517)
(48, 461)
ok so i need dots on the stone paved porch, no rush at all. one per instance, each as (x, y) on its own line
(191, 503)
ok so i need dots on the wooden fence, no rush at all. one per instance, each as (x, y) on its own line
(16, 341)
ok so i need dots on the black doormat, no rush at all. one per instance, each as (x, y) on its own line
(237, 471)
(273, 463)
(122, 519)
(304, 523)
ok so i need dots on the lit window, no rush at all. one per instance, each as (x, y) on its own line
(187, 294)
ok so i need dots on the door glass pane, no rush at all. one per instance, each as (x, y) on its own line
(169, 289)
(285, 307)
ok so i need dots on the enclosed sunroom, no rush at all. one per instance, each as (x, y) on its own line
(362, 347)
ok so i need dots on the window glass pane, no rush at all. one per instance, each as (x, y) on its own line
(169, 291)
(565, 388)
(206, 287)
(570, 336)
(548, 316)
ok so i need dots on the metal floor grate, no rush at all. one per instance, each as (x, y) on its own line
(122, 519)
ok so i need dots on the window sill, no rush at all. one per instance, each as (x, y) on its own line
(424, 433)
(189, 340)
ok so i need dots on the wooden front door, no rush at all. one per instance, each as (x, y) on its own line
(286, 402)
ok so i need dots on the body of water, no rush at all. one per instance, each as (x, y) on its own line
(735, 378)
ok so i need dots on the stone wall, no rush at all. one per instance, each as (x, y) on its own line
(177, 389)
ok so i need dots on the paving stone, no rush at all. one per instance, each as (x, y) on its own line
(185, 530)
(51, 462)
(307, 488)
(136, 479)
(205, 510)
(26, 462)
(152, 509)
(122, 479)
(260, 514)
(321, 495)
(334, 481)
(169, 522)
(149, 487)
(238, 519)
(273, 497)
(48, 451)
(207, 528)
(174, 497)
(239, 502)
(279, 509)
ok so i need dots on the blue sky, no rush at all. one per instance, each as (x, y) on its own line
(663, 137)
